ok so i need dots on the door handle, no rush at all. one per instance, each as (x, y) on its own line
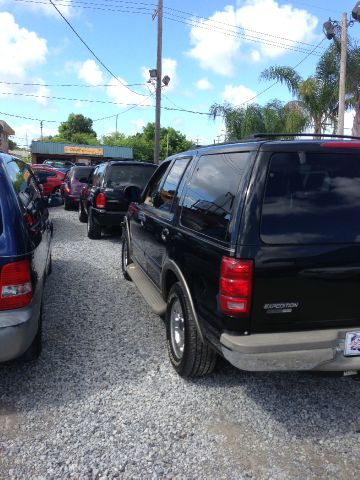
(164, 234)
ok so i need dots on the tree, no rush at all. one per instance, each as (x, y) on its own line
(315, 95)
(12, 145)
(274, 117)
(77, 129)
(171, 141)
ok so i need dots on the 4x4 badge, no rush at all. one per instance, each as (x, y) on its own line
(286, 307)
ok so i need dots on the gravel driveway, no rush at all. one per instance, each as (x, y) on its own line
(104, 402)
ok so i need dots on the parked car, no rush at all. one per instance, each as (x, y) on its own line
(51, 179)
(74, 180)
(102, 202)
(60, 165)
(25, 259)
(251, 251)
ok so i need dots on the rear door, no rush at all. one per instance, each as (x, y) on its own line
(307, 264)
(118, 177)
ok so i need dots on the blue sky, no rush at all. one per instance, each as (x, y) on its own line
(213, 51)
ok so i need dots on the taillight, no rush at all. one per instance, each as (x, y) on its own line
(15, 285)
(67, 188)
(100, 201)
(236, 279)
(340, 144)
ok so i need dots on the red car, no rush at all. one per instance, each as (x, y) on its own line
(51, 179)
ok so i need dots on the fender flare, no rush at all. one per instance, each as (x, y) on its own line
(170, 265)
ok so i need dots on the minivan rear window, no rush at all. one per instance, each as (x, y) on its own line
(119, 175)
(312, 198)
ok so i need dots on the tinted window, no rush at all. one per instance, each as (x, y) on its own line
(118, 176)
(96, 176)
(25, 187)
(211, 192)
(167, 197)
(81, 172)
(312, 198)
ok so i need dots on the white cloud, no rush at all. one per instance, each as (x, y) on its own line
(20, 48)
(237, 95)
(21, 51)
(26, 132)
(217, 46)
(121, 94)
(204, 84)
(91, 73)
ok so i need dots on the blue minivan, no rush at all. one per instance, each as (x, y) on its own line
(25, 259)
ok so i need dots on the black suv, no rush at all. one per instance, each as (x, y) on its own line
(252, 251)
(102, 202)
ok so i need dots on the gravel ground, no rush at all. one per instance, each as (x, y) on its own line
(104, 402)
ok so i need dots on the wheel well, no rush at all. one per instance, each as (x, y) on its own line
(170, 279)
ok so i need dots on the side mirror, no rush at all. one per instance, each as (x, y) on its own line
(132, 193)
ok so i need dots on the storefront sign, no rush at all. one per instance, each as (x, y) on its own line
(84, 150)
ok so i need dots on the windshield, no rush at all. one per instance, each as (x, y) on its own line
(312, 198)
(122, 175)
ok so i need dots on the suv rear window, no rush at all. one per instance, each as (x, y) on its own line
(312, 198)
(120, 175)
(82, 172)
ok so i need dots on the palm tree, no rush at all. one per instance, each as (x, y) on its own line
(329, 67)
(274, 117)
(315, 95)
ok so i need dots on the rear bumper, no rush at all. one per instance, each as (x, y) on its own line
(72, 198)
(18, 329)
(321, 350)
(108, 219)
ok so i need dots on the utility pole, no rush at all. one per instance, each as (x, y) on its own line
(342, 80)
(158, 82)
(41, 129)
(116, 125)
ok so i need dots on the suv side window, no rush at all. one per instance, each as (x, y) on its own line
(168, 196)
(94, 180)
(26, 188)
(210, 193)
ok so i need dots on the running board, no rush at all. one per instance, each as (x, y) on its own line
(147, 289)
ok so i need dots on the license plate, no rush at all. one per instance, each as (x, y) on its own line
(352, 344)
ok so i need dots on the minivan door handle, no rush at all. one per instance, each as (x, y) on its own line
(164, 234)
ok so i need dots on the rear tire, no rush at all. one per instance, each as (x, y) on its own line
(93, 229)
(125, 257)
(188, 354)
(82, 215)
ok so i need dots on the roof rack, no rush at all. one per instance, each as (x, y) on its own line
(312, 135)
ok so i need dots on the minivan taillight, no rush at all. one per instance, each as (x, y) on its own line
(236, 280)
(15, 285)
(100, 201)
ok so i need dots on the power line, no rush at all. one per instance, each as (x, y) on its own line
(134, 105)
(90, 50)
(294, 46)
(28, 118)
(68, 84)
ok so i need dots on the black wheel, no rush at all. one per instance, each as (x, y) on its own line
(188, 354)
(82, 215)
(67, 204)
(34, 351)
(93, 229)
(125, 257)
